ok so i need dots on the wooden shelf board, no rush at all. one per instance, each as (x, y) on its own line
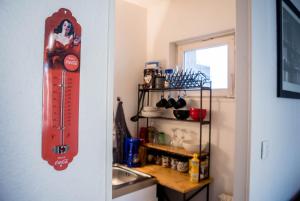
(170, 149)
(173, 179)
(173, 119)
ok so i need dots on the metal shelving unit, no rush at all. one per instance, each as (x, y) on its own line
(205, 87)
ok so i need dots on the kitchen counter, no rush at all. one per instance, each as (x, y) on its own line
(172, 179)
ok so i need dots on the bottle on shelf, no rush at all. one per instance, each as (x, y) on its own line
(194, 173)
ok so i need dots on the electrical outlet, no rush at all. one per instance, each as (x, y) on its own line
(265, 149)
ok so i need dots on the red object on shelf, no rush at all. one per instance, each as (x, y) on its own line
(197, 113)
(61, 89)
(143, 135)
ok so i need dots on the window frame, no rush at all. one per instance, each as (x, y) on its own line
(228, 39)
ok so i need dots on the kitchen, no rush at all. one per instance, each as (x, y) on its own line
(112, 61)
(151, 30)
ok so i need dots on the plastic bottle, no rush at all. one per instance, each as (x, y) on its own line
(194, 174)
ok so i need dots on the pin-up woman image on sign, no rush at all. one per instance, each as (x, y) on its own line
(61, 80)
(62, 41)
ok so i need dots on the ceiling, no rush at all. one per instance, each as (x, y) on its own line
(144, 3)
(147, 3)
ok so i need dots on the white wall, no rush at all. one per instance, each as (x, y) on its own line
(275, 119)
(174, 20)
(130, 51)
(170, 21)
(24, 174)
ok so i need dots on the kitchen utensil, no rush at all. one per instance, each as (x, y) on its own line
(141, 102)
(181, 114)
(197, 113)
(187, 79)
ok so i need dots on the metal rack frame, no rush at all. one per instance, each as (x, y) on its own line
(206, 86)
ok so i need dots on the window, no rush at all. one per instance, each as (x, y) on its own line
(214, 57)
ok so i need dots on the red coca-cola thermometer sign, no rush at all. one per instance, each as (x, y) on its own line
(61, 89)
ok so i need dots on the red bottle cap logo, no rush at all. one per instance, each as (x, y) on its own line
(71, 62)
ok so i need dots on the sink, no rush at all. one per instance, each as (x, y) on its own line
(126, 180)
(122, 176)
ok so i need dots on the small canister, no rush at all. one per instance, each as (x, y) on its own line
(174, 162)
(165, 161)
(158, 160)
(182, 166)
(160, 82)
(149, 77)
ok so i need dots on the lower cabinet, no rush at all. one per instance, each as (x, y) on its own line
(167, 194)
(146, 194)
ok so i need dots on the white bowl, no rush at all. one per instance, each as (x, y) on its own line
(192, 146)
(151, 113)
(150, 109)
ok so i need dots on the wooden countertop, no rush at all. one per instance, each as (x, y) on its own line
(172, 178)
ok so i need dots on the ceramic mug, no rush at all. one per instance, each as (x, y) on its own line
(171, 103)
(165, 161)
(180, 103)
(162, 102)
(150, 158)
(182, 166)
(158, 160)
(174, 162)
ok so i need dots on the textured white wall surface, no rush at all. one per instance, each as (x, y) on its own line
(162, 22)
(130, 52)
(24, 175)
(170, 21)
(274, 119)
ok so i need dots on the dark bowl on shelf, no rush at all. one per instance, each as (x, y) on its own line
(181, 114)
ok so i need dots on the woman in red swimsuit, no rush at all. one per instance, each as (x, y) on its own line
(62, 42)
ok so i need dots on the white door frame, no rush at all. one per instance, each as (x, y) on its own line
(243, 98)
(243, 101)
(109, 100)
